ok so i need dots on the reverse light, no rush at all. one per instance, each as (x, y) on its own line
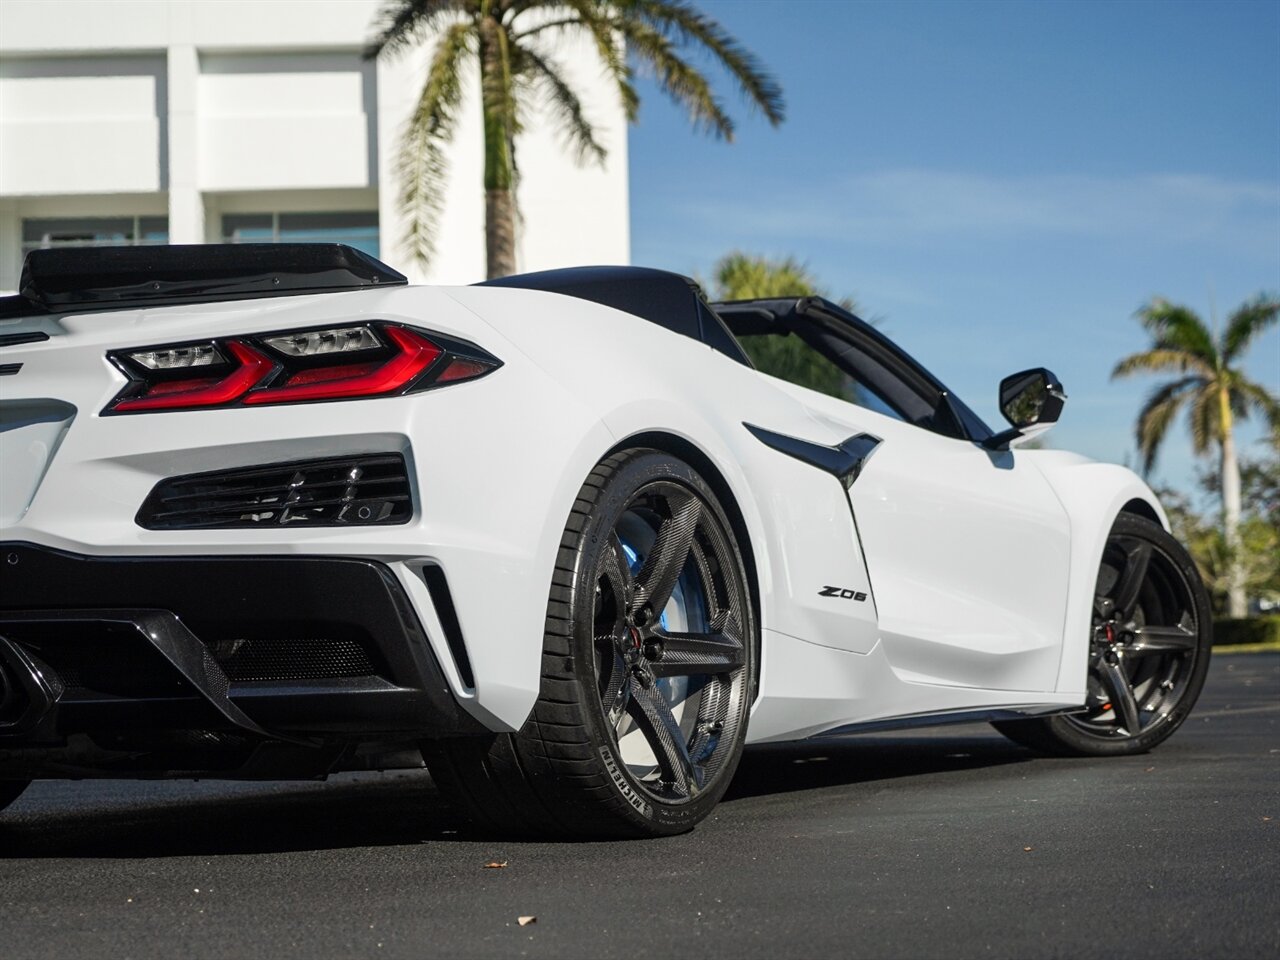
(317, 342)
(196, 355)
(375, 359)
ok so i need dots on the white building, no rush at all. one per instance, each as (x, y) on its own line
(189, 121)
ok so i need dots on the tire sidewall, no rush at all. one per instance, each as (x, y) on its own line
(635, 470)
(1130, 525)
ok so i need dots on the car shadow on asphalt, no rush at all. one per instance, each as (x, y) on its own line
(227, 819)
(815, 764)
(404, 809)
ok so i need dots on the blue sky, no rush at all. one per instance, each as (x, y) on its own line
(1003, 184)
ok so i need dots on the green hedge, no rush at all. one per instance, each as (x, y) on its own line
(1228, 632)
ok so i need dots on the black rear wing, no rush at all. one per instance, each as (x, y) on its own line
(90, 279)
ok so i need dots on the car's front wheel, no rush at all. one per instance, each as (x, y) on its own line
(1148, 651)
(648, 667)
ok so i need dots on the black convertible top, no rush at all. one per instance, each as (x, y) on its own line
(659, 296)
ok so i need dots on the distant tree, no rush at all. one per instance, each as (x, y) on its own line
(1213, 389)
(741, 276)
(1260, 516)
(1257, 558)
(512, 43)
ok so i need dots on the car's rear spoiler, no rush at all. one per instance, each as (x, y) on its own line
(89, 279)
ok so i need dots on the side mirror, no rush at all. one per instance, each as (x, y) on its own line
(1031, 401)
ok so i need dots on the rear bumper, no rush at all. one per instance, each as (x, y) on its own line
(162, 665)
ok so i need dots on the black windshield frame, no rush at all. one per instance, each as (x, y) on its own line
(865, 354)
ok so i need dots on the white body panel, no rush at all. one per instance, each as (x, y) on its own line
(982, 571)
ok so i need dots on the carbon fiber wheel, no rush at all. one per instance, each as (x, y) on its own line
(1148, 652)
(649, 664)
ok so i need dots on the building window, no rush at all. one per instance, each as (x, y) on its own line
(358, 229)
(93, 232)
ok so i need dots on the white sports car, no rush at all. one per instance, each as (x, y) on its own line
(269, 512)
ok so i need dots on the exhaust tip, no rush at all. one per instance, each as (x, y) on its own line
(25, 696)
(13, 699)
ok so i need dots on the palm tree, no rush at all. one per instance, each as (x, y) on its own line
(512, 42)
(1215, 391)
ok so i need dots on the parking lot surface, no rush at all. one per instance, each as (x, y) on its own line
(948, 843)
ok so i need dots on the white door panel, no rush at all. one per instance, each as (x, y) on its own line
(969, 554)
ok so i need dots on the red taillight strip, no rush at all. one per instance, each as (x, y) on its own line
(416, 354)
(253, 369)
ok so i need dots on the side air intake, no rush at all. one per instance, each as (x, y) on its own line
(337, 492)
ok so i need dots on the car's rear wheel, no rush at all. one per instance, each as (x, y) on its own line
(648, 668)
(11, 790)
(1148, 652)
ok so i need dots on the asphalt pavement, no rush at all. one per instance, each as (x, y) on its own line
(952, 843)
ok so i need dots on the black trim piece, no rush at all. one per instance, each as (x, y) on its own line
(116, 278)
(442, 600)
(9, 369)
(29, 336)
(862, 552)
(16, 306)
(844, 462)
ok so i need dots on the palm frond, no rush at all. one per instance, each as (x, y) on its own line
(690, 26)
(1205, 418)
(1246, 323)
(1254, 396)
(564, 103)
(1160, 359)
(1158, 412)
(1177, 328)
(400, 24)
(592, 16)
(422, 165)
(680, 81)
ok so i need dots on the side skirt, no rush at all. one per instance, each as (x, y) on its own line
(943, 719)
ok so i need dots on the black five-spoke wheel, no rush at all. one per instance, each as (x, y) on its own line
(1148, 650)
(669, 643)
(648, 668)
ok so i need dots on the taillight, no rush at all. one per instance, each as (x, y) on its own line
(338, 363)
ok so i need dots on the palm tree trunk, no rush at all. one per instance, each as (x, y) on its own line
(1236, 600)
(499, 160)
(500, 232)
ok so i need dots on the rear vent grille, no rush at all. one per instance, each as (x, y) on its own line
(284, 659)
(348, 491)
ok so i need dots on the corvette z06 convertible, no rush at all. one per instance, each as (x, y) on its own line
(270, 512)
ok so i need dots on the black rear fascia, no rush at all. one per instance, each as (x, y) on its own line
(119, 278)
(218, 598)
